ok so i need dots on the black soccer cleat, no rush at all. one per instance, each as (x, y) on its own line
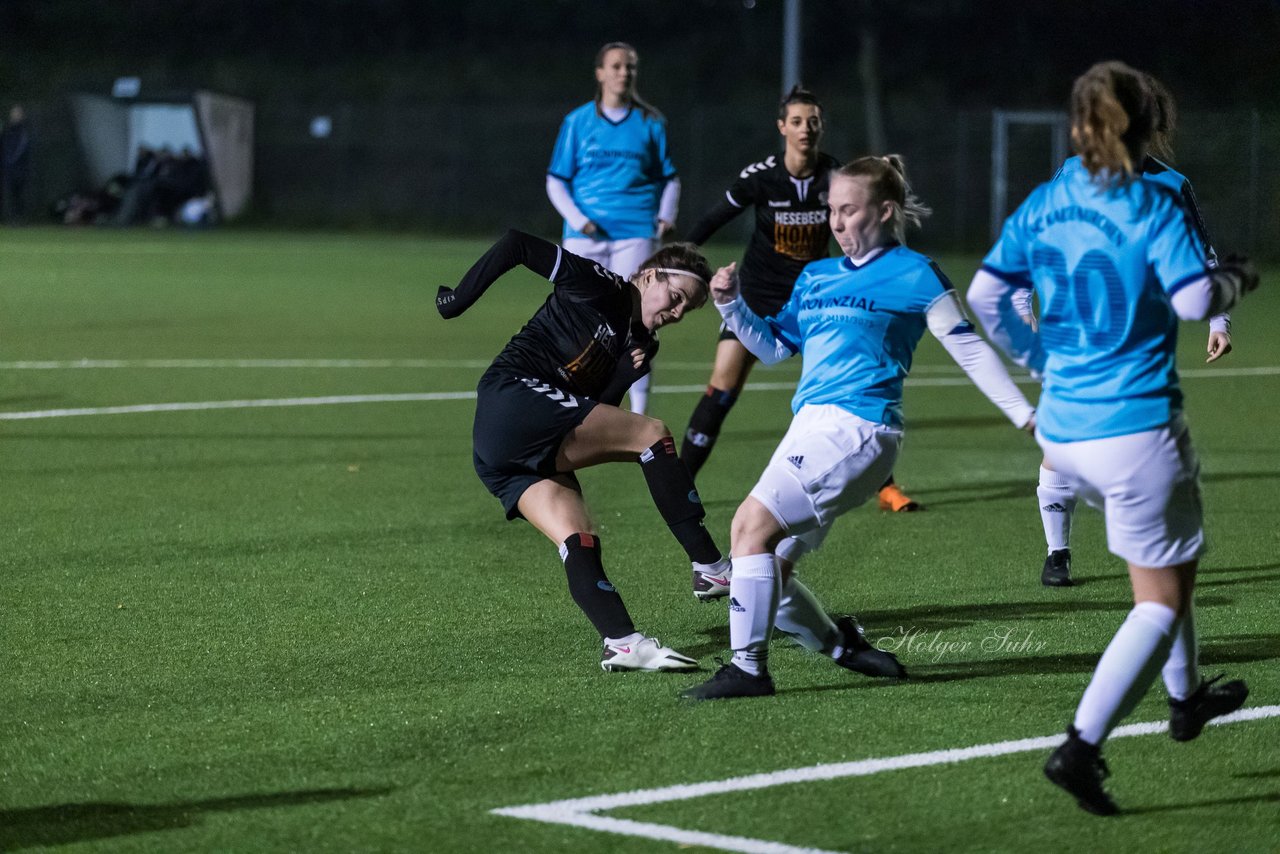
(1077, 767)
(861, 657)
(1187, 717)
(728, 682)
(1057, 569)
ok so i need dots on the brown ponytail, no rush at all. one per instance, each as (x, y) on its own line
(1113, 118)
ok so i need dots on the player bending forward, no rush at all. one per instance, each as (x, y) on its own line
(547, 407)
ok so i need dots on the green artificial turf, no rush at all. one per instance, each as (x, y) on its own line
(309, 628)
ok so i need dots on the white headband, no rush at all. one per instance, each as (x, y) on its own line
(693, 276)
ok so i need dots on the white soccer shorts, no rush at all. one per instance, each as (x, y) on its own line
(829, 462)
(1148, 487)
(623, 257)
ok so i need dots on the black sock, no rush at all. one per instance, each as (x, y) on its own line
(888, 482)
(704, 427)
(591, 589)
(673, 492)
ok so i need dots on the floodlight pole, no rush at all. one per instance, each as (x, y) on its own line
(790, 45)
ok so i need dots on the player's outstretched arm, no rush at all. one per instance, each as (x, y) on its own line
(515, 248)
(754, 333)
(713, 220)
(949, 325)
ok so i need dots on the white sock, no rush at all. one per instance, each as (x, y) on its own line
(1126, 670)
(1057, 504)
(1182, 671)
(634, 637)
(753, 603)
(801, 615)
(638, 394)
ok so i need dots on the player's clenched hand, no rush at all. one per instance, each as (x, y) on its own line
(446, 303)
(724, 284)
(637, 357)
(1219, 345)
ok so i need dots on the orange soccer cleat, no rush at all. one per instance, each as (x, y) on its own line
(894, 500)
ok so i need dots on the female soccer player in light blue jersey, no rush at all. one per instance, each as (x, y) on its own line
(1056, 501)
(1115, 262)
(856, 321)
(611, 176)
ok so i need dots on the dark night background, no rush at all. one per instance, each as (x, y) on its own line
(444, 114)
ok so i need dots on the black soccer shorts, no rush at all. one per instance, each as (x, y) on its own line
(519, 427)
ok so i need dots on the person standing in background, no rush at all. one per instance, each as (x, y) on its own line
(15, 165)
(612, 179)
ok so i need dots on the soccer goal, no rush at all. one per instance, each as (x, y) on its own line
(1015, 162)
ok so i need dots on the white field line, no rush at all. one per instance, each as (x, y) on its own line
(337, 400)
(583, 812)
(236, 404)
(383, 364)
(236, 364)
(250, 364)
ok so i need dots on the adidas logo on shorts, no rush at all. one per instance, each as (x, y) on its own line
(796, 461)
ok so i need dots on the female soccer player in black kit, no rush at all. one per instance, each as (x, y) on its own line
(790, 198)
(548, 405)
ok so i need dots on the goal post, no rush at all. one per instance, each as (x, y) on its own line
(1001, 121)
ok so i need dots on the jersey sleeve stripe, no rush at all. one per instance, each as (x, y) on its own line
(942, 277)
(556, 269)
(1016, 279)
(564, 178)
(731, 199)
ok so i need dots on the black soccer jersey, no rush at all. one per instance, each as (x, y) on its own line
(581, 338)
(791, 227)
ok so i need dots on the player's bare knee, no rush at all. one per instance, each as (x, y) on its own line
(754, 530)
(650, 432)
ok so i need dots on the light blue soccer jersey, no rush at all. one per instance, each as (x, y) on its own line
(616, 170)
(857, 328)
(1104, 262)
(1156, 170)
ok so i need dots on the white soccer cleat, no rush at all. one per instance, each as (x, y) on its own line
(645, 654)
(711, 580)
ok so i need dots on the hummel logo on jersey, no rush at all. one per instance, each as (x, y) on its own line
(1054, 508)
(563, 398)
(609, 274)
(785, 203)
(734, 606)
(760, 166)
(796, 461)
